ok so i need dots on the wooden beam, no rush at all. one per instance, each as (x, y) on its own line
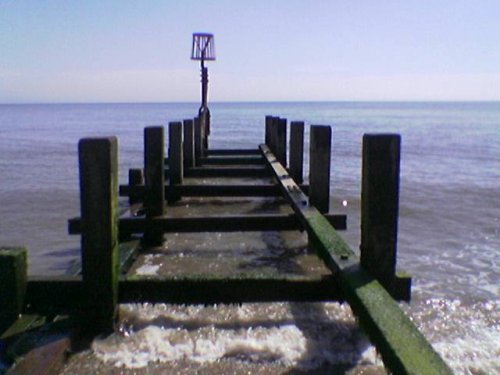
(13, 276)
(296, 154)
(198, 140)
(154, 167)
(44, 294)
(402, 346)
(249, 152)
(98, 159)
(232, 160)
(281, 125)
(269, 124)
(241, 223)
(209, 172)
(135, 178)
(268, 190)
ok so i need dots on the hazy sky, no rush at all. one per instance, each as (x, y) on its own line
(138, 51)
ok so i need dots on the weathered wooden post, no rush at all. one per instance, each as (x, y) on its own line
(269, 125)
(135, 178)
(198, 140)
(98, 158)
(176, 166)
(13, 281)
(380, 205)
(154, 173)
(280, 151)
(175, 148)
(296, 155)
(189, 154)
(320, 146)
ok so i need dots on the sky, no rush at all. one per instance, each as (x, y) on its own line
(268, 50)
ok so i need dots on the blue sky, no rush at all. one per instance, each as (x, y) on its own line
(269, 50)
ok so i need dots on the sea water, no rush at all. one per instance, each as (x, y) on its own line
(448, 229)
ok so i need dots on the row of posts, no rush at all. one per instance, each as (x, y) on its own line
(98, 159)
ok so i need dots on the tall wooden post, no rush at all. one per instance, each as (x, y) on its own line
(13, 281)
(98, 159)
(198, 140)
(380, 205)
(269, 125)
(154, 173)
(188, 144)
(281, 141)
(296, 155)
(320, 146)
(175, 148)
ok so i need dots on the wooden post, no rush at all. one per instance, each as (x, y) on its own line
(135, 178)
(189, 154)
(379, 205)
(297, 151)
(154, 173)
(320, 146)
(13, 281)
(175, 148)
(98, 159)
(198, 141)
(269, 125)
(281, 141)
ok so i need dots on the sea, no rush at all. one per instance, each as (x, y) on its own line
(448, 239)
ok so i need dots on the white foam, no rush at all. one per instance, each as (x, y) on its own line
(302, 335)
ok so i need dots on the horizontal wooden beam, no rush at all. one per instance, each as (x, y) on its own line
(252, 151)
(402, 346)
(243, 223)
(268, 190)
(206, 172)
(61, 295)
(231, 160)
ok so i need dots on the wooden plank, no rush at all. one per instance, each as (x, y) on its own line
(42, 351)
(227, 223)
(13, 276)
(154, 159)
(267, 190)
(297, 151)
(402, 346)
(188, 145)
(319, 167)
(190, 289)
(249, 152)
(211, 172)
(98, 159)
(379, 205)
(233, 160)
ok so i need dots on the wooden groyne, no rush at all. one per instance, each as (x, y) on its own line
(41, 316)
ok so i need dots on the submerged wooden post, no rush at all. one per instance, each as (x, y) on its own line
(380, 205)
(320, 146)
(98, 159)
(198, 140)
(280, 151)
(154, 173)
(188, 145)
(296, 155)
(175, 148)
(135, 178)
(13, 281)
